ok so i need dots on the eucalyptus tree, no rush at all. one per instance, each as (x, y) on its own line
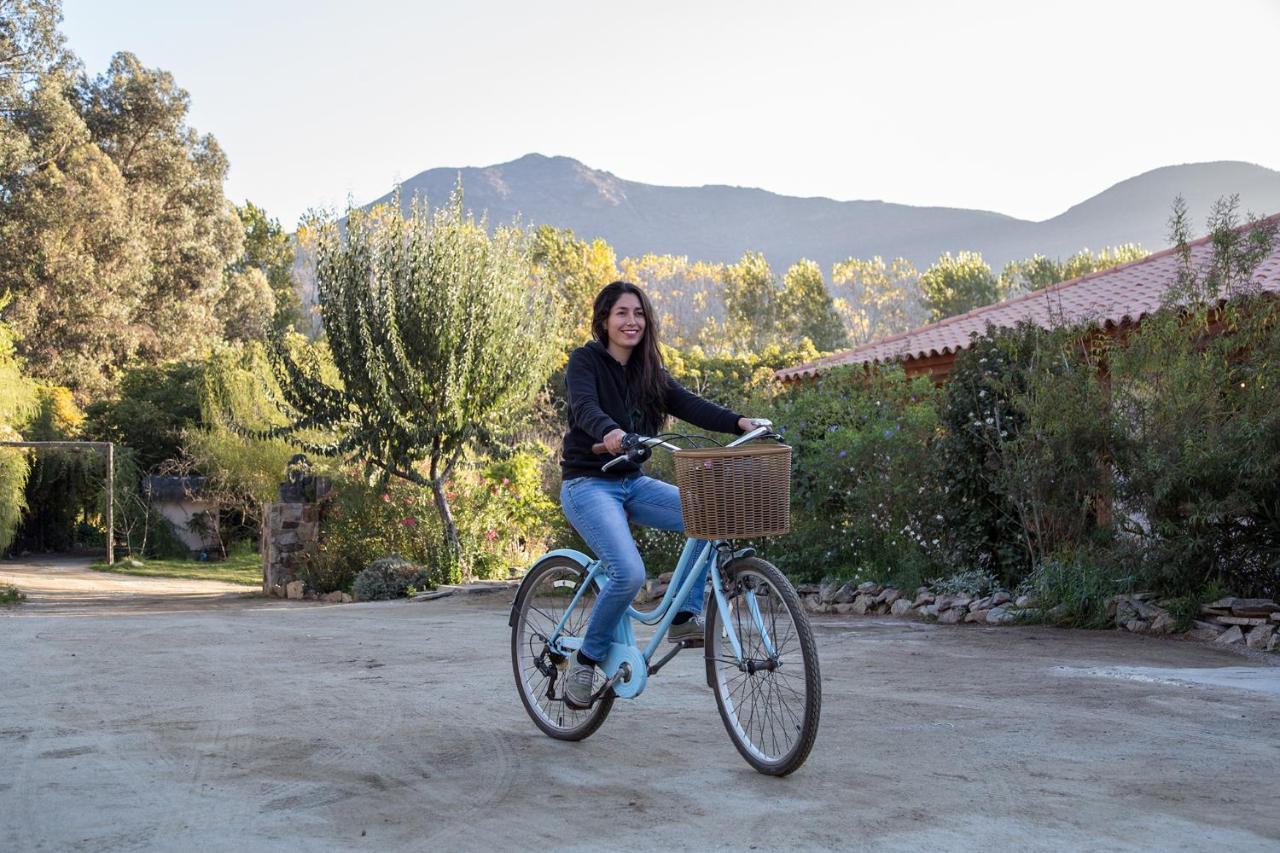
(438, 340)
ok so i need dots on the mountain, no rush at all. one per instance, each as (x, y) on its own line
(719, 223)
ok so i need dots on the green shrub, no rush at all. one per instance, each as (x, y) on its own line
(975, 582)
(11, 595)
(388, 577)
(866, 500)
(1073, 589)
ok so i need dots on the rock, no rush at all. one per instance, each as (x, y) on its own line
(1057, 613)
(980, 604)
(943, 604)
(134, 563)
(1243, 621)
(1024, 601)
(923, 598)
(1263, 607)
(1028, 614)
(295, 589)
(1275, 617)
(889, 596)
(807, 588)
(812, 604)
(346, 598)
(860, 604)
(1206, 610)
(1274, 643)
(1204, 631)
(999, 616)
(979, 616)
(929, 611)
(900, 607)
(844, 595)
(665, 577)
(1137, 626)
(1125, 612)
(1223, 603)
(1164, 623)
(869, 588)
(843, 608)
(1259, 637)
(1001, 597)
(827, 591)
(1231, 636)
(332, 597)
(961, 602)
(952, 616)
(1146, 611)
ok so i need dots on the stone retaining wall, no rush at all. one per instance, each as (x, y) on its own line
(1254, 622)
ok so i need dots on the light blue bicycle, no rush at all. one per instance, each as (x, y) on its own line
(761, 660)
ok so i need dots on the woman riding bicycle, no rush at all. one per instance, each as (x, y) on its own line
(617, 385)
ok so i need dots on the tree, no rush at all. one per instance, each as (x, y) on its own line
(17, 403)
(806, 311)
(876, 300)
(247, 307)
(268, 249)
(575, 271)
(156, 404)
(686, 296)
(32, 53)
(173, 178)
(954, 285)
(749, 290)
(438, 342)
(1038, 272)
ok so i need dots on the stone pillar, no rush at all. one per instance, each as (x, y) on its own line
(289, 532)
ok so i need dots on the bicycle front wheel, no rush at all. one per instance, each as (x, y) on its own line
(771, 699)
(540, 672)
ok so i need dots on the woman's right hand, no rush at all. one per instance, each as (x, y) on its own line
(613, 441)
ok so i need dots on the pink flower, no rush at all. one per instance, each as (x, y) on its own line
(491, 534)
(505, 481)
(386, 498)
(409, 522)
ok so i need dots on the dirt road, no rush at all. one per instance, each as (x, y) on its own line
(396, 726)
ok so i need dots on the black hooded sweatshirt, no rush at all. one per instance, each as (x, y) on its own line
(598, 404)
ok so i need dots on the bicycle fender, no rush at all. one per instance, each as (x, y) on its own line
(577, 556)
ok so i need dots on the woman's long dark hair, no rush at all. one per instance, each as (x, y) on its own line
(646, 378)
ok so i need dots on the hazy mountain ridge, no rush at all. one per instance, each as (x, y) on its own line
(719, 223)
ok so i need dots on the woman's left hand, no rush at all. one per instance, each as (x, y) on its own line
(746, 424)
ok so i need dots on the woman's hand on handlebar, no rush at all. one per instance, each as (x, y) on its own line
(746, 425)
(613, 441)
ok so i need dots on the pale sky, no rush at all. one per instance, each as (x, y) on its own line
(1008, 105)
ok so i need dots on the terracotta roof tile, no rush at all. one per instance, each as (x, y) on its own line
(1112, 297)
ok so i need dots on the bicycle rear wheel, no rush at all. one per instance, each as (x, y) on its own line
(771, 701)
(540, 673)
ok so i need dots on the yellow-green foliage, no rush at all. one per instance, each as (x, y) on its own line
(17, 403)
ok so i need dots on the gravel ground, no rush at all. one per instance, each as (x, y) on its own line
(199, 719)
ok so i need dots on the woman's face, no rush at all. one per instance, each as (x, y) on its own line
(626, 321)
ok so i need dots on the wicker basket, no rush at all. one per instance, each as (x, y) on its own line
(735, 492)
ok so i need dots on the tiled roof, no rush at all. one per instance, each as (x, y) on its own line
(1113, 297)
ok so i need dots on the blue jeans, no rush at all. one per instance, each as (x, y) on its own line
(600, 509)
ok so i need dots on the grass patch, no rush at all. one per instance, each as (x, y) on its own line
(10, 595)
(243, 565)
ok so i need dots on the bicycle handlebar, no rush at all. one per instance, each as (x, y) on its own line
(635, 447)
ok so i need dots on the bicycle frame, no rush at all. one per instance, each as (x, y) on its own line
(624, 649)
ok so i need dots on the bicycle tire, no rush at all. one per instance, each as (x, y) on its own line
(774, 743)
(537, 617)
